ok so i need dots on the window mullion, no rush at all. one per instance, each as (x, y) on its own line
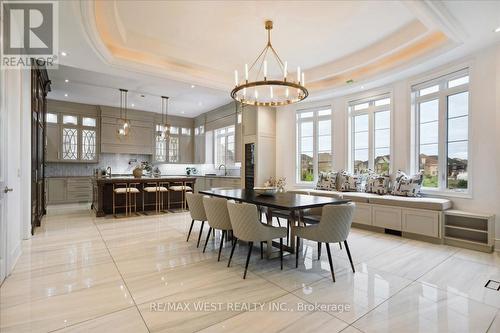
(442, 138)
(371, 139)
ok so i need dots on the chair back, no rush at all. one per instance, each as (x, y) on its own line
(195, 204)
(244, 220)
(335, 223)
(217, 213)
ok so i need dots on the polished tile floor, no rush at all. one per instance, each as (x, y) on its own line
(86, 274)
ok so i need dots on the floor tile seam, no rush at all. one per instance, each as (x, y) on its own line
(124, 282)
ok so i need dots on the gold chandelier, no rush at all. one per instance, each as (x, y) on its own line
(263, 91)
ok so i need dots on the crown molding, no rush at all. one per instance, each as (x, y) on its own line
(435, 15)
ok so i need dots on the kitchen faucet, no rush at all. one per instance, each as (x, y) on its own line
(225, 169)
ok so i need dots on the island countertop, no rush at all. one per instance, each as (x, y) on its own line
(102, 191)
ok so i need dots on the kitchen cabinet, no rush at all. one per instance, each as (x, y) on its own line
(68, 190)
(52, 143)
(72, 132)
(140, 139)
(186, 145)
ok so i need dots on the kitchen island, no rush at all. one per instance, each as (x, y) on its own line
(102, 192)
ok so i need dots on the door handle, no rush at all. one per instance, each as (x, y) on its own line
(7, 189)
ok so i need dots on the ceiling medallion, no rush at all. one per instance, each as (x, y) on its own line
(264, 92)
(123, 122)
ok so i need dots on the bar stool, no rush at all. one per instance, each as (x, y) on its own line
(182, 187)
(158, 189)
(127, 189)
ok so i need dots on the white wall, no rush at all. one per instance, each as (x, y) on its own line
(18, 151)
(485, 131)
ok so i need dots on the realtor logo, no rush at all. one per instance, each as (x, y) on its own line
(29, 33)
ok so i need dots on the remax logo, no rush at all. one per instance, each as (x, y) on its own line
(29, 31)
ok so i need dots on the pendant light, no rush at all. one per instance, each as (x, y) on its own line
(165, 130)
(123, 122)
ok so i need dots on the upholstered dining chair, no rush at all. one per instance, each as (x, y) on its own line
(217, 218)
(247, 227)
(197, 212)
(334, 227)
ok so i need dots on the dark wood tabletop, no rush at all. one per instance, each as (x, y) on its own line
(284, 201)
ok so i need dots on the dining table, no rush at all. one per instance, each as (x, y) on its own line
(291, 202)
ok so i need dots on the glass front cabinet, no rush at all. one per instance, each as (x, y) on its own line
(71, 138)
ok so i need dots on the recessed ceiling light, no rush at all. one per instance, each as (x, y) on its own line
(133, 104)
(200, 103)
(64, 54)
(66, 80)
(65, 95)
(497, 29)
(183, 112)
(362, 87)
(193, 86)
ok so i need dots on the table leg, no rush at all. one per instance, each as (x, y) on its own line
(291, 222)
(269, 247)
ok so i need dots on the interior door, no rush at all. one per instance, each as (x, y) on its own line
(3, 158)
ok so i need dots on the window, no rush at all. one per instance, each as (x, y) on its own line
(51, 118)
(314, 143)
(185, 131)
(70, 120)
(224, 146)
(442, 135)
(371, 134)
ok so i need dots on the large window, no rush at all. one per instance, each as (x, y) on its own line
(442, 131)
(224, 146)
(314, 143)
(371, 134)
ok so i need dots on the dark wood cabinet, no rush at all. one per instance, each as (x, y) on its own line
(40, 86)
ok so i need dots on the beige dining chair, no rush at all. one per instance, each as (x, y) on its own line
(334, 227)
(197, 212)
(247, 227)
(217, 218)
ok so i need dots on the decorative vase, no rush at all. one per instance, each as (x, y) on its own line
(137, 172)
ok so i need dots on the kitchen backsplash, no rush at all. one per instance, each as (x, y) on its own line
(119, 164)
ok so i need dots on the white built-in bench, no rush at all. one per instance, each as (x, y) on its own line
(419, 216)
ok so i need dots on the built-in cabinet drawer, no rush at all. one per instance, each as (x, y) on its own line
(68, 190)
(362, 214)
(422, 222)
(386, 217)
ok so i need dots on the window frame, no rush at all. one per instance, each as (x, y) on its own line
(225, 135)
(316, 118)
(371, 110)
(442, 96)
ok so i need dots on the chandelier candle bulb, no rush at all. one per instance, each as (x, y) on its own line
(236, 77)
(256, 94)
(265, 70)
(303, 82)
(271, 91)
(246, 72)
(285, 70)
(298, 74)
(287, 92)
